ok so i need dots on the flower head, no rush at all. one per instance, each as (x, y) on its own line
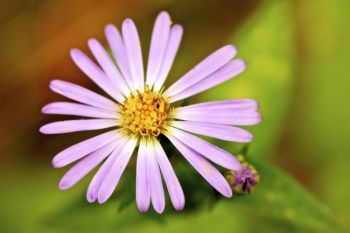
(138, 111)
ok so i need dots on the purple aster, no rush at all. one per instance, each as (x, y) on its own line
(138, 111)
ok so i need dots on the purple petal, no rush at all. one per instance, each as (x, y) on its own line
(116, 43)
(84, 166)
(225, 117)
(134, 53)
(205, 68)
(81, 94)
(173, 45)
(108, 66)
(210, 151)
(206, 169)
(241, 104)
(83, 148)
(112, 178)
(95, 74)
(98, 178)
(77, 125)
(173, 185)
(157, 192)
(223, 132)
(73, 109)
(143, 194)
(223, 74)
(158, 46)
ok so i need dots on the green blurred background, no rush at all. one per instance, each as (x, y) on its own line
(298, 56)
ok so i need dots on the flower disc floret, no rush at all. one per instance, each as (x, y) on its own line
(144, 114)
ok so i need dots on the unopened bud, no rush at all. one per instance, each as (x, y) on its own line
(245, 179)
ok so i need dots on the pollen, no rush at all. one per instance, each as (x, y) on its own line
(144, 114)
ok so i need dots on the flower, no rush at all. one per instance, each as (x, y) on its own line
(140, 111)
(245, 179)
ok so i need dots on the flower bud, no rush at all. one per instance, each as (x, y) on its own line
(245, 179)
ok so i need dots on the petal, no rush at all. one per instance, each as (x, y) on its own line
(112, 178)
(73, 109)
(157, 192)
(225, 117)
(241, 104)
(83, 148)
(205, 68)
(77, 125)
(173, 45)
(134, 53)
(108, 66)
(206, 169)
(226, 72)
(81, 94)
(116, 43)
(208, 150)
(98, 178)
(84, 166)
(143, 194)
(173, 185)
(223, 132)
(95, 74)
(159, 41)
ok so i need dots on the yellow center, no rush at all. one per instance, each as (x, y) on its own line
(144, 114)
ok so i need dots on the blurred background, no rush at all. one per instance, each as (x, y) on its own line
(298, 55)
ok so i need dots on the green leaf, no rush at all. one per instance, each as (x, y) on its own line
(279, 199)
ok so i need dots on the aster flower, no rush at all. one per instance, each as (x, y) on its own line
(138, 111)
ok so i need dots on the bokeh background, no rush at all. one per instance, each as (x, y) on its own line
(298, 56)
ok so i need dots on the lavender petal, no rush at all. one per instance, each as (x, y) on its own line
(241, 105)
(73, 109)
(84, 166)
(95, 74)
(225, 117)
(210, 151)
(223, 132)
(70, 126)
(157, 192)
(134, 53)
(173, 45)
(82, 95)
(173, 185)
(205, 68)
(143, 194)
(112, 178)
(98, 178)
(206, 169)
(226, 72)
(108, 66)
(159, 41)
(83, 148)
(116, 43)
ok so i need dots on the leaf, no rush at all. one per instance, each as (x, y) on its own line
(280, 199)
